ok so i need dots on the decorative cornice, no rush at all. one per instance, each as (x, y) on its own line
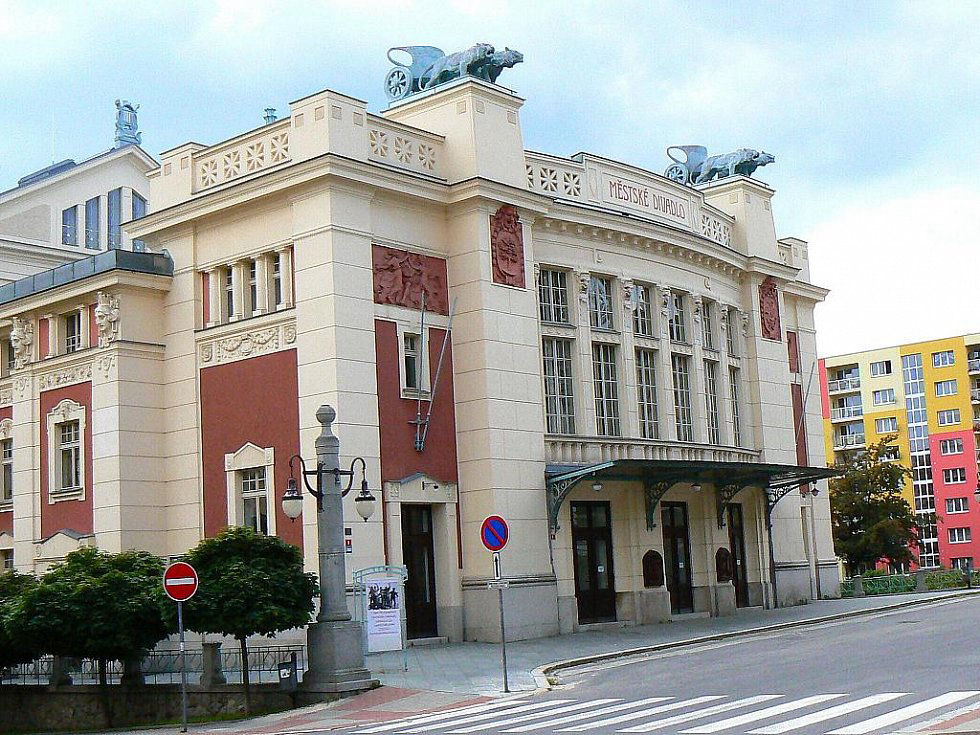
(246, 343)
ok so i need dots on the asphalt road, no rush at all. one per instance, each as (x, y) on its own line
(905, 670)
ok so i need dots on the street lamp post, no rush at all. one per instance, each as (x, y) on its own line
(334, 645)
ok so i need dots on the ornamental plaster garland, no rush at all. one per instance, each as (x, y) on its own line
(73, 374)
(247, 344)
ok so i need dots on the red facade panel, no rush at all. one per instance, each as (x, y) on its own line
(944, 465)
(254, 400)
(93, 327)
(793, 348)
(43, 328)
(824, 391)
(7, 517)
(66, 514)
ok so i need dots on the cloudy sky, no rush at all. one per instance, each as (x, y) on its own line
(872, 108)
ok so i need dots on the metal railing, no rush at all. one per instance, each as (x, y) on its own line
(975, 394)
(973, 365)
(891, 584)
(163, 667)
(837, 386)
(844, 412)
(848, 440)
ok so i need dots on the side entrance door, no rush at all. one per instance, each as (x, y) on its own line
(677, 557)
(736, 541)
(595, 589)
(419, 558)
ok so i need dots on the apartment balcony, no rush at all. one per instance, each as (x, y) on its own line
(842, 413)
(844, 385)
(596, 449)
(848, 441)
(975, 395)
(973, 365)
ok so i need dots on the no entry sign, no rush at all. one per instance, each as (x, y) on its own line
(494, 533)
(180, 581)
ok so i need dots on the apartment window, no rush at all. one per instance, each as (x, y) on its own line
(646, 389)
(960, 535)
(731, 340)
(139, 210)
(943, 359)
(7, 475)
(6, 560)
(69, 226)
(642, 313)
(92, 223)
(883, 397)
(949, 417)
(946, 388)
(951, 446)
(954, 475)
(229, 292)
(890, 453)
(882, 367)
(277, 279)
(957, 505)
(606, 389)
(553, 296)
(70, 453)
(711, 401)
(963, 563)
(559, 401)
(707, 330)
(411, 345)
(600, 303)
(73, 331)
(676, 323)
(255, 500)
(10, 356)
(733, 392)
(681, 374)
(888, 425)
(253, 285)
(114, 202)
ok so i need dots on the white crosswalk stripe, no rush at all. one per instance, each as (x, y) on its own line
(702, 713)
(641, 713)
(418, 719)
(905, 713)
(486, 716)
(761, 714)
(596, 713)
(537, 715)
(827, 714)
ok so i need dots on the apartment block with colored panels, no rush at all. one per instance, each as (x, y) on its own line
(927, 396)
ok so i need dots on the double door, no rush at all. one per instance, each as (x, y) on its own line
(595, 588)
(419, 557)
(677, 556)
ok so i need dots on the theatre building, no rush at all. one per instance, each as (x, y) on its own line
(615, 363)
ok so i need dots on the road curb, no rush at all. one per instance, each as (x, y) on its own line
(541, 673)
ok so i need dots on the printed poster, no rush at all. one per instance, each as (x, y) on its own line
(384, 615)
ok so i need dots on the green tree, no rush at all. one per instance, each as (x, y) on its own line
(14, 648)
(871, 520)
(250, 584)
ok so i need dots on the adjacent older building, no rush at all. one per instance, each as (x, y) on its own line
(616, 363)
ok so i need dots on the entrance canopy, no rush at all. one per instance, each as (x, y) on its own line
(659, 475)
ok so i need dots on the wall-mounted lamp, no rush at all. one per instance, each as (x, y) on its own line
(696, 487)
(596, 485)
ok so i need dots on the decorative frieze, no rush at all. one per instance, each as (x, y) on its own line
(769, 309)
(507, 247)
(401, 277)
(106, 364)
(246, 343)
(66, 376)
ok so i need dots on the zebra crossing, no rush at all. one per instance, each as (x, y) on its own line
(761, 714)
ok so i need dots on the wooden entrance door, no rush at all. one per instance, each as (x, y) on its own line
(595, 588)
(736, 541)
(677, 556)
(419, 558)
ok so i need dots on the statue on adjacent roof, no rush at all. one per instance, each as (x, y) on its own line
(127, 127)
(430, 67)
(697, 167)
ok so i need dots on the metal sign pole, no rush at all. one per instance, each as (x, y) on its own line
(503, 638)
(183, 668)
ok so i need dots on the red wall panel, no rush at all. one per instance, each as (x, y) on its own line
(7, 517)
(66, 514)
(42, 337)
(254, 400)
(824, 391)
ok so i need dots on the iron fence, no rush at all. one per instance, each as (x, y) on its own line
(943, 579)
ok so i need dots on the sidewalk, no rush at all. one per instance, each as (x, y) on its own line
(474, 668)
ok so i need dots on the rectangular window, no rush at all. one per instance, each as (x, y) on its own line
(733, 392)
(888, 425)
(7, 476)
(681, 374)
(646, 389)
(711, 401)
(6, 560)
(73, 332)
(553, 296)
(957, 505)
(951, 446)
(92, 223)
(963, 563)
(229, 292)
(883, 397)
(606, 389)
(253, 286)
(960, 535)
(883, 367)
(600, 303)
(676, 323)
(10, 355)
(642, 312)
(413, 374)
(255, 501)
(949, 417)
(277, 279)
(943, 359)
(114, 201)
(890, 452)
(70, 448)
(946, 388)
(731, 340)
(69, 226)
(139, 210)
(954, 475)
(707, 330)
(559, 400)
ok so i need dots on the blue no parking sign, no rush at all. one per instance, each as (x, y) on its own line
(494, 533)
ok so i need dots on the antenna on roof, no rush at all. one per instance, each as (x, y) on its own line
(270, 115)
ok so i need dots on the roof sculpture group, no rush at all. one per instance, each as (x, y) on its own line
(697, 167)
(430, 67)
